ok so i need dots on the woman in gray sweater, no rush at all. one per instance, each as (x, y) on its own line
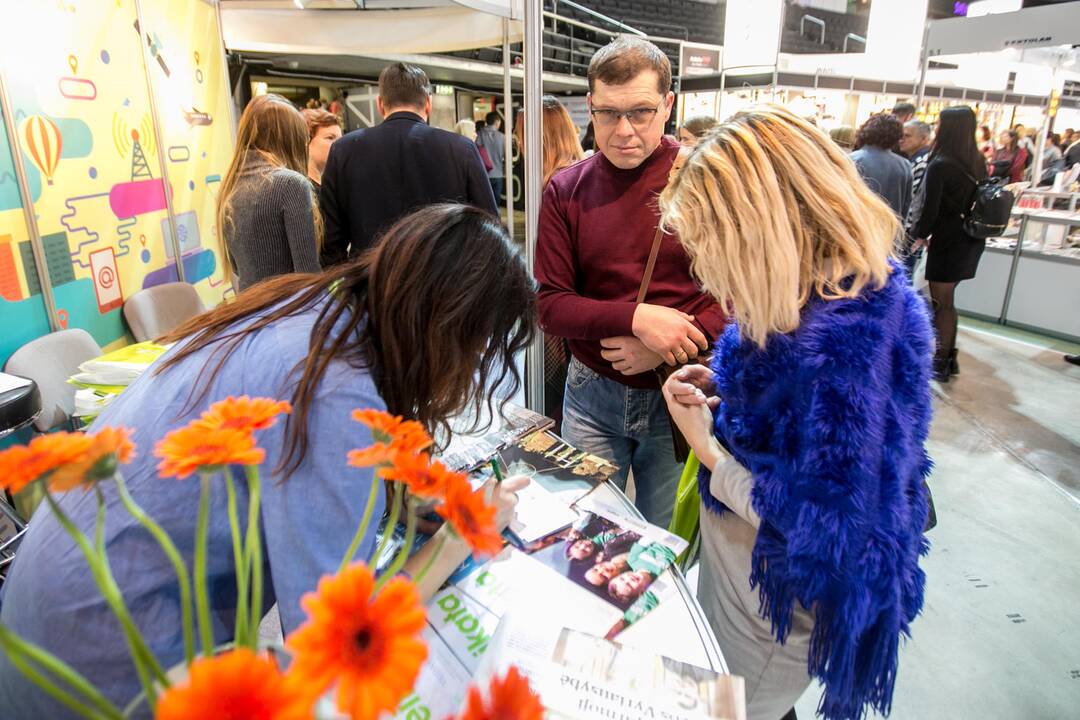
(271, 224)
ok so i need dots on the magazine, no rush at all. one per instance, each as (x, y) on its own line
(468, 452)
(581, 677)
(616, 559)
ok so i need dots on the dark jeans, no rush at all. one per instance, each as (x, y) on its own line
(497, 188)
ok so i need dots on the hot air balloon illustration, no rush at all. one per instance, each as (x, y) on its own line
(43, 143)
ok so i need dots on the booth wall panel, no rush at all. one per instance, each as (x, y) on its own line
(195, 116)
(23, 316)
(81, 109)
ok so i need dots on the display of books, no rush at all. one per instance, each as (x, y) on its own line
(467, 452)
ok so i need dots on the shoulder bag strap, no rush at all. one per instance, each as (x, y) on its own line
(650, 265)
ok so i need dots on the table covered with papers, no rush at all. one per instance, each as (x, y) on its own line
(585, 598)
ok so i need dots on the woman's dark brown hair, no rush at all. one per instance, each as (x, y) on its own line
(882, 131)
(436, 312)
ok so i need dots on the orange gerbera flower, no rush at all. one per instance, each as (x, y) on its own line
(472, 518)
(238, 684)
(509, 698)
(244, 413)
(369, 647)
(108, 448)
(423, 477)
(407, 435)
(23, 464)
(195, 447)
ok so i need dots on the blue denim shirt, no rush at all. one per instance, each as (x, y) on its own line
(307, 520)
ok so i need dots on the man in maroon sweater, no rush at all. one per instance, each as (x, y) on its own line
(597, 225)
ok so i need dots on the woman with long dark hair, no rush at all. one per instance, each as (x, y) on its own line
(266, 214)
(416, 326)
(956, 165)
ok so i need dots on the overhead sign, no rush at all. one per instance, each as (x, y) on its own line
(751, 33)
(1032, 27)
(699, 60)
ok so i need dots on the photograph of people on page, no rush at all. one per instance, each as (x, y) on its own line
(615, 559)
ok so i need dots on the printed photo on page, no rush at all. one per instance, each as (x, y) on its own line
(616, 559)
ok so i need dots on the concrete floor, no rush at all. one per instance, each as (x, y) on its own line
(999, 636)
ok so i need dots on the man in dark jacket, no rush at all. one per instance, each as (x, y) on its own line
(376, 175)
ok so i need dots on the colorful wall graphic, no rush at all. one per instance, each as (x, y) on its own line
(75, 78)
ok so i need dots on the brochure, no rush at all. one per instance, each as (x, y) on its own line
(119, 367)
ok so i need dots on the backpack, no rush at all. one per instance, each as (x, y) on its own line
(990, 208)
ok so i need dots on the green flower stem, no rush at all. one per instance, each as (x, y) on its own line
(430, 561)
(60, 695)
(131, 630)
(167, 545)
(391, 523)
(202, 599)
(141, 657)
(240, 633)
(406, 548)
(253, 548)
(19, 651)
(364, 522)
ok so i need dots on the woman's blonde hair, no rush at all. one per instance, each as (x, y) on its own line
(467, 128)
(561, 144)
(772, 212)
(274, 129)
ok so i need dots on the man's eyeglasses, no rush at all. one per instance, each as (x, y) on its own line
(638, 117)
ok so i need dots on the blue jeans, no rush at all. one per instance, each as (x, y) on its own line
(497, 188)
(628, 427)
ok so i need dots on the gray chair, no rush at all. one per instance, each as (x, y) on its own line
(49, 361)
(158, 310)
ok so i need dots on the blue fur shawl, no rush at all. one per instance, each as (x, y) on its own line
(831, 420)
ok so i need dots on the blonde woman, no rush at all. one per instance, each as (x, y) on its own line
(467, 128)
(812, 421)
(265, 208)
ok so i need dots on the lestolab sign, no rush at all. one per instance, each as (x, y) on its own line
(1045, 26)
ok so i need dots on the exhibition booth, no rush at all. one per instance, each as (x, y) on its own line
(119, 124)
(1030, 277)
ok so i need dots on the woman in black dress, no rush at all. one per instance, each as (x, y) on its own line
(956, 165)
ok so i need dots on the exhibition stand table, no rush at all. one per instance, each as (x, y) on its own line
(1030, 278)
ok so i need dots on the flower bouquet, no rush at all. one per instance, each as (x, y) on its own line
(359, 652)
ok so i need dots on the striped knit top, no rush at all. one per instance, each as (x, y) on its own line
(271, 227)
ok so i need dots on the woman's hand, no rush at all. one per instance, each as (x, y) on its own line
(919, 244)
(504, 497)
(691, 409)
(452, 550)
(692, 385)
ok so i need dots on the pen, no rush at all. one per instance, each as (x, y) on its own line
(495, 469)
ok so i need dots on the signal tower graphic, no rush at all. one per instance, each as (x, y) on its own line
(140, 169)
